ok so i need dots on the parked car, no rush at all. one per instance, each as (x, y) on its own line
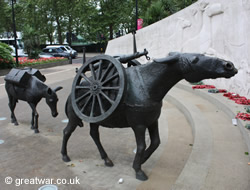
(65, 48)
(45, 55)
(56, 52)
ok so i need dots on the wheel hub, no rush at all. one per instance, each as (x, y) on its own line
(95, 88)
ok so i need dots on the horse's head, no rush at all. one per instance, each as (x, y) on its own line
(51, 100)
(196, 67)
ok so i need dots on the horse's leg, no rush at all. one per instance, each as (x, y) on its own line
(155, 141)
(69, 129)
(139, 131)
(34, 120)
(12, 106)
(94, 133)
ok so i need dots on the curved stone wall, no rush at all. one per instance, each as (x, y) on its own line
(216, 27)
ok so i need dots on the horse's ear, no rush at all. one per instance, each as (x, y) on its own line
(58, 88)
(168, 60)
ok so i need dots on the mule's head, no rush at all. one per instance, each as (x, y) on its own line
(51, 100)
(196, 67)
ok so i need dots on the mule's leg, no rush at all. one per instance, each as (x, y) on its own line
(12, 106)
(94, 133)
(139, 131)
(69, 129)
(34, 120)
(155, 141)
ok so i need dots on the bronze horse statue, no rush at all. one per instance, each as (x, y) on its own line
(141, 107)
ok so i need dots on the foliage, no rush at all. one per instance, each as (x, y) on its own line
(159, 9)
(6, 59)
(94, 20)
(5, 17)
(31, 42)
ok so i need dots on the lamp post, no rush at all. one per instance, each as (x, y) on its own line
(136, 13)
(14, 29)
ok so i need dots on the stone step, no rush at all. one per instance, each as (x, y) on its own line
(229, 107)
(217, 160)
(177, 140)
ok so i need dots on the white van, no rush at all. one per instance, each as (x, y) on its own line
(8, 38)
(65, 48)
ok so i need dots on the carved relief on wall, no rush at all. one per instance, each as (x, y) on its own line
(215, 27)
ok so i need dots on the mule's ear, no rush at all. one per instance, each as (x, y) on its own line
(168, 60)
(49, 91)
(58, 88)
(194, 59)
(173, 53)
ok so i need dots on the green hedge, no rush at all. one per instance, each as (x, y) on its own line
(6, 59)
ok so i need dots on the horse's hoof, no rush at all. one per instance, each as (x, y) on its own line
(65, 158)
(36, 131)
(108, 162)
(140, 175)
(15, 123)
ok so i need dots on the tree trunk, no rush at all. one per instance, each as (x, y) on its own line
(111, 31)
(59, 30)
(70, 31)
(50, 38)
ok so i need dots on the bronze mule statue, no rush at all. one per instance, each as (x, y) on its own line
(141, 107)
(27, 85)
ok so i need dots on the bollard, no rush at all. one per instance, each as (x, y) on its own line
(83, 55)
(70, 59)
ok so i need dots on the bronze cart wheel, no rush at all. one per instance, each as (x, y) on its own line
(98, 88)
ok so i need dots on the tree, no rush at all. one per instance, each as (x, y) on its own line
(159, 9)
(5, 17)
(31, 42)
(95, 20)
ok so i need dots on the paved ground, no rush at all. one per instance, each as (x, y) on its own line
(200, 148)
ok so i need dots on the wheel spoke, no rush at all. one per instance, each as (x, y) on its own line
(106, 71)
(113, 71)
(105, 96)
(92, 71)
(110, 88)
(82, 87)
(86, 78)
(93, 105)
(99, 72)
(110, 78)
(86, 103)
(83, 96)
(100, 103)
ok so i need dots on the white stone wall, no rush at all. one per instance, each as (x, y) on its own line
(219, 28)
